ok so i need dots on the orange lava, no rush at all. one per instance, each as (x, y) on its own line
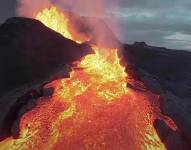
(93, 109)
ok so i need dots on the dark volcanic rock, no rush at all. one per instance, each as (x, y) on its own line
(173, 140)
(168, 73)
(29, 52)
(172, 68)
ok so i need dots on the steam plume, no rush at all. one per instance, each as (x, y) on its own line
(29, 8)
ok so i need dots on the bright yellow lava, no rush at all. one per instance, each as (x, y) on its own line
(93, 109)
(55, 20)
(106, 74)
(61, 23)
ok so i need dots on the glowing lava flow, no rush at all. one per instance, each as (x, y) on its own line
(93, 109)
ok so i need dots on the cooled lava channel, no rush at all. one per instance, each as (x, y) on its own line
(93, 109)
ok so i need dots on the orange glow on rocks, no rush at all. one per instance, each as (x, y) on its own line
(93, 109)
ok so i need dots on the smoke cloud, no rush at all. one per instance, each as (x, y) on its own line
(97, 8)
(29, 8)
(85, 7)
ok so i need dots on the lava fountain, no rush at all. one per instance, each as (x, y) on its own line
(93, 109)
(60, 22)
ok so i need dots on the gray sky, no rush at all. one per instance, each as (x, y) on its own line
(7, 9)
(158, 22)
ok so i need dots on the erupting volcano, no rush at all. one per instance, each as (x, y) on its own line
(94, 108)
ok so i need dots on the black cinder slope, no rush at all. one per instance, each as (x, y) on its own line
(29, 52)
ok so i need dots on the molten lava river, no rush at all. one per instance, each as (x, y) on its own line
(93, 109)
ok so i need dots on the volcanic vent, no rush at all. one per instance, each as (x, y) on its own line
(94, 108)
